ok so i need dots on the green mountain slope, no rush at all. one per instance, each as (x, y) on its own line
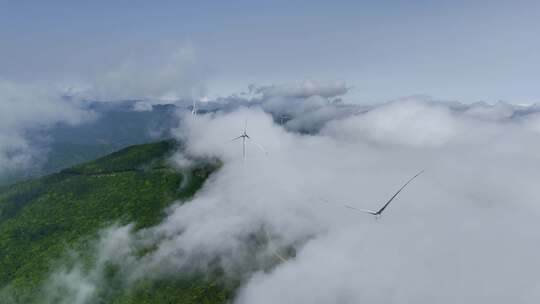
(40, 220)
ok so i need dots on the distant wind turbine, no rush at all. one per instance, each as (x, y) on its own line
(283, 118)
(379, 212)
(194, 108)
(244, 136)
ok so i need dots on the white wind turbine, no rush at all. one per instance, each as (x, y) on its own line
(378, 213)
(283, 118)
(194, 108)
(244, 136)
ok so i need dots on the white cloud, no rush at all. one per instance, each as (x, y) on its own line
(305, 89)
(151, 76)
(408, 122)
(497, 111)
(159, 74)
(465, 231)
(31, 107)
(78, 284)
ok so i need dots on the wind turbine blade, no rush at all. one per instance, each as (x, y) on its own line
(395, 194)
(366, 211)
(348, 207)
(280, 257)
(358, 209)
(243, 148)
(236, 138)
(361, 210)
(245, 126)
(258, 146)
(272, 248)
(379, 212)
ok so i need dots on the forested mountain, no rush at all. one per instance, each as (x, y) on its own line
(43, 221)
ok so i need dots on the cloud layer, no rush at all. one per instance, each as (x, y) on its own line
(465, 231)
(154, 75)
(24, 108)
(305, 89)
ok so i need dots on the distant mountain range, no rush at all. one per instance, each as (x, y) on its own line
(117, 126)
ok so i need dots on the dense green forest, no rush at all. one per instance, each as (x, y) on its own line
(42, 219)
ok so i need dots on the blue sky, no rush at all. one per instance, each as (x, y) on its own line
(459, 50)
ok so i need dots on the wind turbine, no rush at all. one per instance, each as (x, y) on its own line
(283, 118)
(378, 213)
(194, 108)
(244, 136)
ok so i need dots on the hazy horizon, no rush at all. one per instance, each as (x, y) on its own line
(451, 50)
